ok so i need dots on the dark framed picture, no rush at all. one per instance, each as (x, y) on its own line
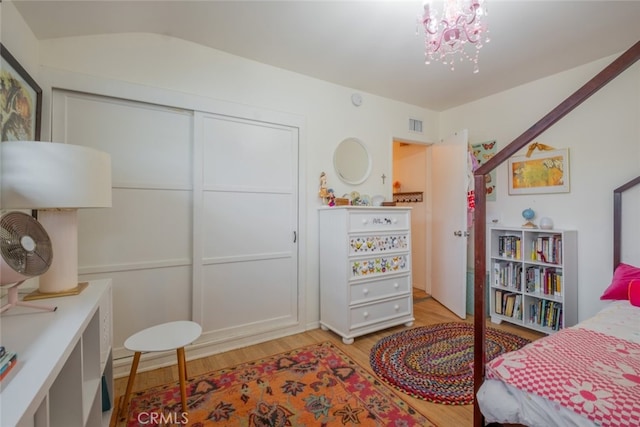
(20, 101)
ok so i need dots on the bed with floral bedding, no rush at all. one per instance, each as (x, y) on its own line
(586, 375)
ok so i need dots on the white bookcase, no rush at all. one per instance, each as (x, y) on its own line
(62, 357)
(533, 277)
(365, 269)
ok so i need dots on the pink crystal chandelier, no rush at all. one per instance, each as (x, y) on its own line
(448, 33)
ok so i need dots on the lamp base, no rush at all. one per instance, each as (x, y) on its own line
(42, 295)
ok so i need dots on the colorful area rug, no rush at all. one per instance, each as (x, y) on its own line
(312, 386)
(434, 363)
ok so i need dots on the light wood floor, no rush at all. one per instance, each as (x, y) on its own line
(426, 311)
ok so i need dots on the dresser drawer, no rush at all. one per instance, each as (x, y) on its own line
(378, 220)
(378, 243)
(378, 312)
(377, 289)
(379, 266)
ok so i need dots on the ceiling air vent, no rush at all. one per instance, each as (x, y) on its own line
(415, 125)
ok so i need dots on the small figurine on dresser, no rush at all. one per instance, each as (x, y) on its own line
(332, 197)
(323, 193)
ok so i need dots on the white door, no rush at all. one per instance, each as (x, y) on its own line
(449, 223)
(143, 242)
(248, 223)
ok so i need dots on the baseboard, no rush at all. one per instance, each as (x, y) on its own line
(202, 348)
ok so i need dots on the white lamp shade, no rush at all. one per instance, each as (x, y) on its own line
(49, 175)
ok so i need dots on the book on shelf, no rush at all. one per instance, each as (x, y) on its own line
(7, 362)
(544, 280)
(517, 310)
(547, 249)
(497, 306)
(507, 274)
(509, 304)
(547, 314)
(509, 246)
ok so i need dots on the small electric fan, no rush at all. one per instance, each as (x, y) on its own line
(25, 252)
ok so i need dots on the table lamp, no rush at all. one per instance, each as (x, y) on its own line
(56, 180)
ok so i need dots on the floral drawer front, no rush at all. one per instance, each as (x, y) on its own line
(379, 265)
(372, 244)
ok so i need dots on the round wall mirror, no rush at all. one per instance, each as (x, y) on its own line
(352, 161)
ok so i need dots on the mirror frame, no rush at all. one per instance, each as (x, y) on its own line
(339, 164)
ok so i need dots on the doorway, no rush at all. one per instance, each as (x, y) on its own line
(411, 175)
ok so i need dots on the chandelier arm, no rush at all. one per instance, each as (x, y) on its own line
(468, 19)
(470, 36)
(448, 35)
(433, 44)
(426, 25)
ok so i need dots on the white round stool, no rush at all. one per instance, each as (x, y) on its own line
(163, 337)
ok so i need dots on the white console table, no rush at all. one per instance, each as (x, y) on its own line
(62, 357)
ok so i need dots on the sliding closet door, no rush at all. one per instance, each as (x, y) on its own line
(144, 241)
(204, 219)
(245, 243)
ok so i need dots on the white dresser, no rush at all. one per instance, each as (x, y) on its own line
(365, 269)
(62, 357)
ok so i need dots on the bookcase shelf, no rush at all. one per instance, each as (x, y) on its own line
(63, 359)
(533, 277)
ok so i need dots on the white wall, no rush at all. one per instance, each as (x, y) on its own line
(18, 38)
(603, 137)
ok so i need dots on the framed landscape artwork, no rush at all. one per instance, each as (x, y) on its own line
(20, 100)
(542, 172)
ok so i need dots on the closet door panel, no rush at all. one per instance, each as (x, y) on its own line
(144, 241)
(150, 145)
(142, 227)
(254, 295)
(145, 298)
(242, 155)
(249, 225)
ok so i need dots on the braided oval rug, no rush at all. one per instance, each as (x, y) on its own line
(434, 363)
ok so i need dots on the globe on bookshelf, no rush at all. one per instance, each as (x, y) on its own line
(528, 214)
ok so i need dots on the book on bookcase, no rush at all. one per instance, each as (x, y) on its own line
(7, 362)
(509, 304)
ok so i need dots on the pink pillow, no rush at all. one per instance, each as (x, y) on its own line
(634, 292)
(619, 287)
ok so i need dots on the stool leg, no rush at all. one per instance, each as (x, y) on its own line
(132, 377)
(182, 373)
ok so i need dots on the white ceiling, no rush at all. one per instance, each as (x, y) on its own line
(370, 46)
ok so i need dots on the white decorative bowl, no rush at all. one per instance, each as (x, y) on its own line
(546, 223)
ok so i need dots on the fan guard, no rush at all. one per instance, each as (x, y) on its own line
(25, 251)
(24, 244)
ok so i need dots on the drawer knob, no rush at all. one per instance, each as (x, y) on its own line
(396, 285)
(365, 291)
(364, 221)
(365, 314)
(396, 307)
(395, 220)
